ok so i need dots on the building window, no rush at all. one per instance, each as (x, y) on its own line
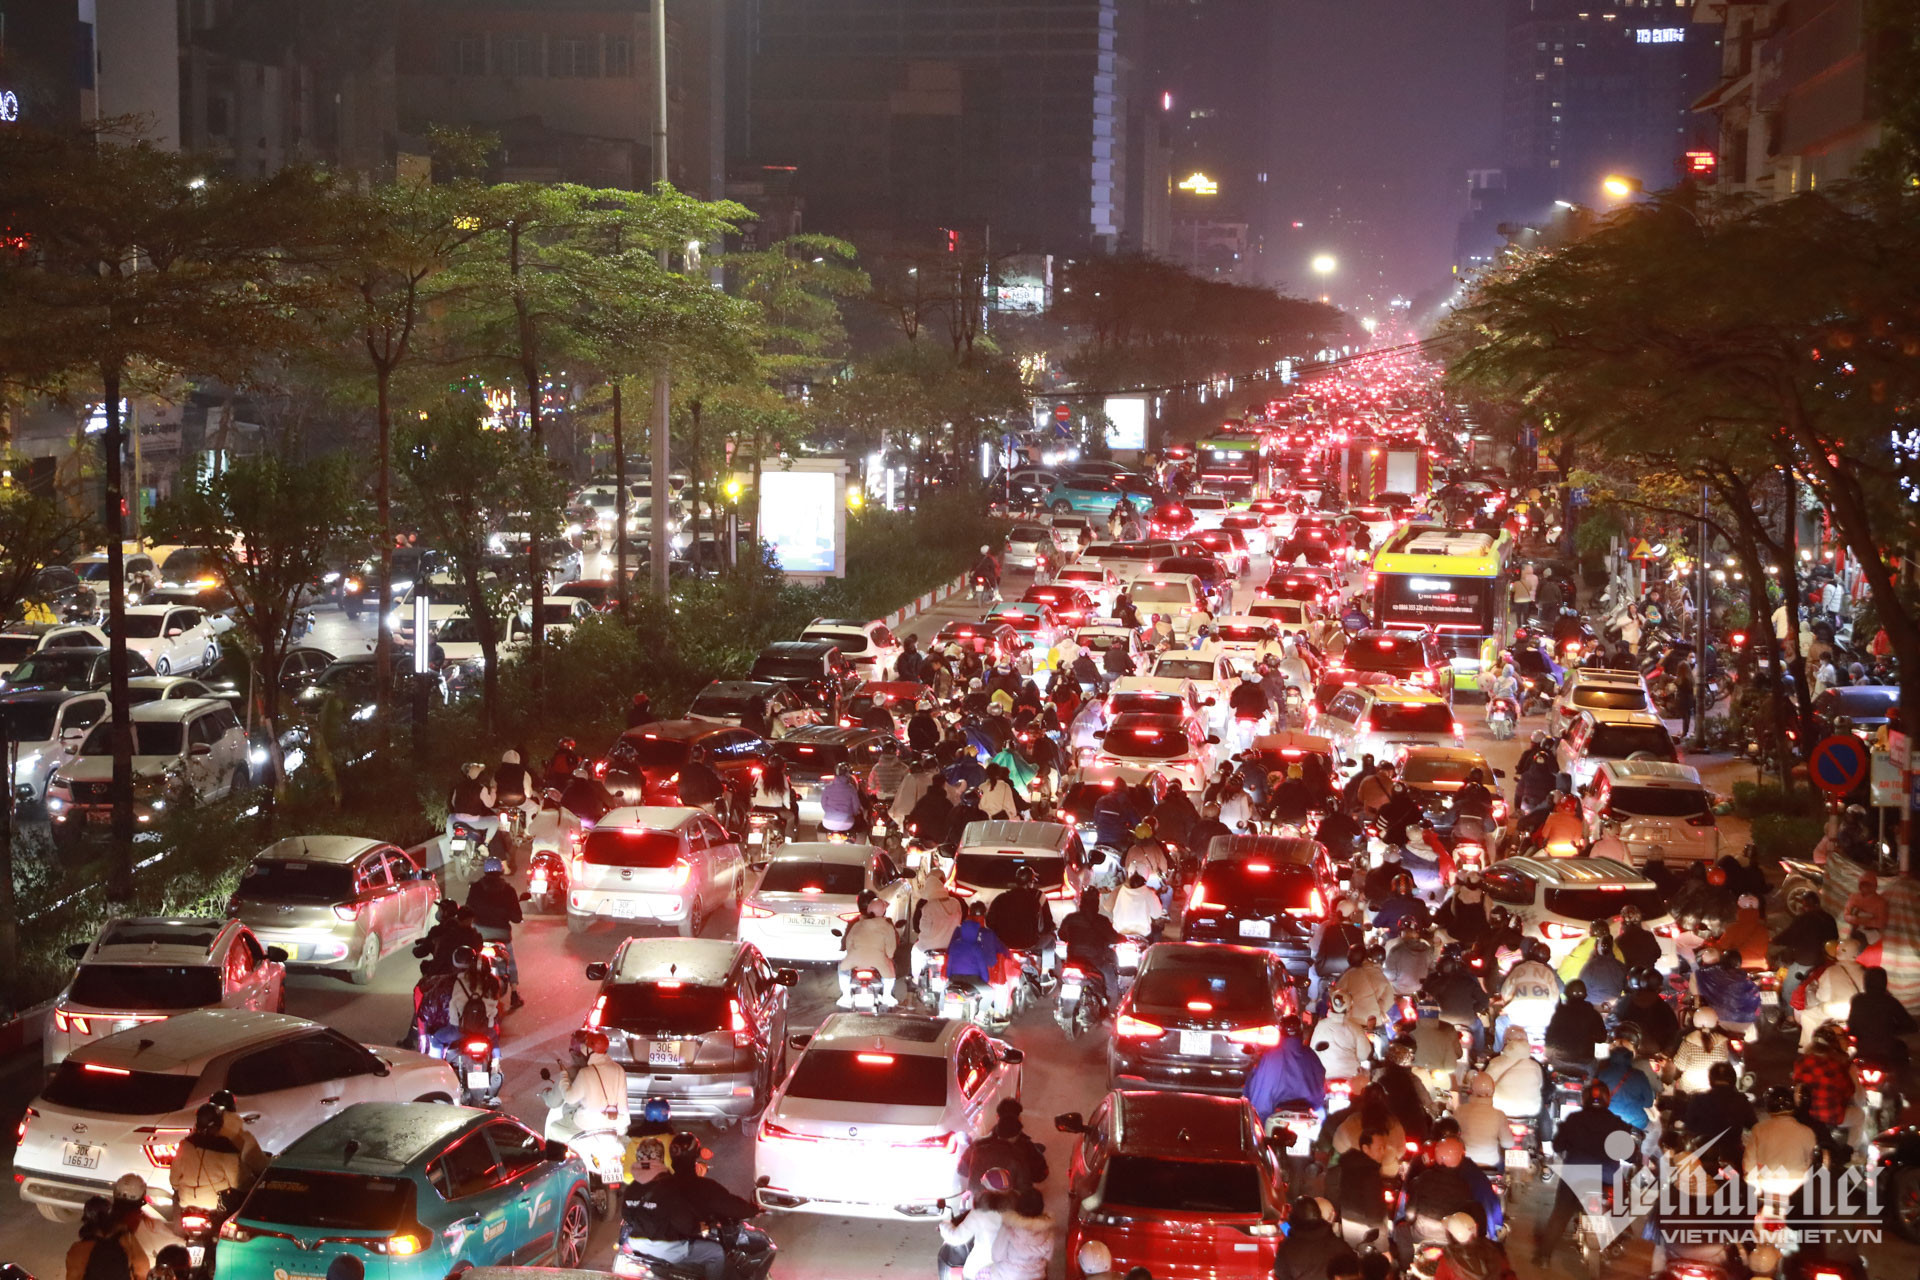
(571, 57)
(464, 56)
(515, 56)
(619, 55)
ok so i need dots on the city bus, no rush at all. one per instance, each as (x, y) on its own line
(1234, 464)
(1454, 581)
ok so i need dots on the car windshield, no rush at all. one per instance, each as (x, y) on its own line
(651, 751)
(1152, 738)
(1204, 984)
(723, 706)
(1160, 704)
(1598, 904)
(1179, 593)
(1257, 886)
(150, 738)
(92, 570)
(459, 631)
(336, 1201)
(1243, 634)
(667, 1008)
(1610, 697)
(1292, 589)
(187, 563)
(820, 758)
(56, 669)
(1390, 653)
(1183, 669)
(1411, 717)
(874, 1077)
(1028, 533)
(145, 986)
(16, 648)
(803, 875)
(118, 1092)
(1288, 611)
(347, 675)
(1618, 741)
(30, 721)
(997, 870)
(620, 847)
(1659, 802)
(1425, 771)
(1183, 1186)
(552, 614)
(144, 626)
(848, 641)
(287, 880)
(786, 668)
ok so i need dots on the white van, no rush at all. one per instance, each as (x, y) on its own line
(666, 865)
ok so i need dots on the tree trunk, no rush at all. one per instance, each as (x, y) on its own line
(1796, 658)
(9, 904)
(383, 503)
(619, 503)
(112, 444)
(536, 434)
(693, 481)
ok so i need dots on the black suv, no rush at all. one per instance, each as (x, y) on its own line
(814, 669)
(1412, 657)
(1197, 1017)
(1267, 892)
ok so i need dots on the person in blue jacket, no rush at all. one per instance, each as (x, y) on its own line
(1633, 1094)
(972, 953)
(1288, 1072)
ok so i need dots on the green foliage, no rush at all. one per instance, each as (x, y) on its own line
(1769, 799)
(36, 529)
(1778, 835)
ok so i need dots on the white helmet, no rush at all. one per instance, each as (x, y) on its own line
(1461, 1228)
(1095, 1259)
(1764, 1260)
(986, 551)
(1338, 1002)
(1705, 1019)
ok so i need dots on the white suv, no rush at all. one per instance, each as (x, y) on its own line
(147, 969)
(1586, 689)
(1662, 810)
(1595, 736)
(192, 746)
(1557, 900)
(174, 638)
(123, 1104)
(869, 646)
(22, 640)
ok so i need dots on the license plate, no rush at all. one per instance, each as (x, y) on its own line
(1196, 1043)
(80, 1156)
(663, 1053)
(879, 830)
(537, 884)
(196, 1254)
(625, 908)
(810, 921)
(753, 837)
(479, 1079)
(1256, 929)
(1069, 991)
(99, 817)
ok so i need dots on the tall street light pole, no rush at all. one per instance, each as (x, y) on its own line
(659, 545)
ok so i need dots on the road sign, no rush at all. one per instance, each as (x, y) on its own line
(1839, 764)
(1900, 747)
(1061, 413)
(1886, 786)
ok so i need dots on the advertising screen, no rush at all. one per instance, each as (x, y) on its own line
(801, 517)
(1126, 422)
(1436, 601)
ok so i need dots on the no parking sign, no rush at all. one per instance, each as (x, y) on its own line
(1839, 764)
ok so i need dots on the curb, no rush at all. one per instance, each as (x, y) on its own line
(925, 602)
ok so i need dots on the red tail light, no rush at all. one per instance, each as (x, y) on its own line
(162, 1145)
(26, 1119)
(1128, 1027)
(1701, 819)
(771, 1132)
(64, 1021)
(742, 1035)
(682, 872)
(754, 911)
(478, 1048)
(598, 1012)
(1554, 930)
(1265, 1037)
(192, 1221)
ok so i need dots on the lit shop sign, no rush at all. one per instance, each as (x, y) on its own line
(9, 106)
(1659, 35)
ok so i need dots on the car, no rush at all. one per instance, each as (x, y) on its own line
(22, 640)
(441, 604)
(144, 689)
(1244, 639)
(216, 604)
(1433, 774)
(1228, 546)
(990, 855)
(1095, 495)
(171, 638)
(1293, 617)
(1138, 745)
(73, 669)
(1155, 695)
(1071, 604)
(1379, 720)
(429, 1190)
(1179, 598)
(352, 681)
(1866, 707)
(559, 615)
(701, 1022)
(1130, 559)
(898, 698)
(1209, 510)
(1316, 537)
(335, 904)
(138, 568)
(668, 865)
(143, 969)
(1414, 657)
(818, 670)
(1583, 687)
(1210, 670)
(813, 754)
(1102, 636)
(1557, 900)
(994, 640)
(762, 707)
(870, 648)
(187, 749)
(1073, 534)
(1096, 467)
(643, 765)
(189, 567)
(1267, 892)
(1661, 809)
(806, 895)
(456, 639)
(599, 593)
(1197, 1016)
(1612, 735)
(1253, 530)
(44, 728)
(1035, 622)
(876, 1113)
(1297, 583)
(1100, 582)
(1029, 544)
(123, 1103)
(1176, 1184)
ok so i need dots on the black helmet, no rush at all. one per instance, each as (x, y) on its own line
(224, 1099)
(1576, 990)
(1779, 1101)
(1629, 1034)
(463, 957)
(1721, 1073)
(1400, 1052)
(207, 1119)
(1026, 878)
(1291, 1026)
(1643, 978)
(1596, 1094)
(685, 1145)
(1538, 952)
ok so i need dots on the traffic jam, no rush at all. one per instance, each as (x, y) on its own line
(1271, 863)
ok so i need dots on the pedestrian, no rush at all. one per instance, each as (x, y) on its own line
(1526, 589)
(1684, 693)
(1547, 596)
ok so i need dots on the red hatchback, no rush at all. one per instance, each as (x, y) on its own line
(1183, 1184)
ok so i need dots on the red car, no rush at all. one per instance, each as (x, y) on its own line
(991, 638)
(1069, 603)
(1185, 1185)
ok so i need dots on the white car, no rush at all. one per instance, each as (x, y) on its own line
(1595, 736)
(441, 605)
(1558, 899)
(186, 747)
(174, 638)
(869, 646)
(1378, 521)
(559, 615)
(1027, 542)
(1382, 720)
(1210, 670)
(1137, 746)
(1178, 597)
(1209, 509)
(991, 853)
(1662, 810)
(809, 893)
(22, 640)
(1098, 581)
(46, 727)
(123, 1104)
(147, 969)
(1253, 528)
(665, 865)
(1586, 689)
(458, 637)
(1244, 639)
(873, 1118)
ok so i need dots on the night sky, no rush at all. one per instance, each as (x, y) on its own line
(1382, 105)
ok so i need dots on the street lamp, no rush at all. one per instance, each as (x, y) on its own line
(1619, 187)
(1325, 264)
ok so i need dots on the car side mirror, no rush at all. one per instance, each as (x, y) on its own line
(174, 633)
(800, 1041)
(77, 950)
(1206, 702)
(555, 1151)
(200, 749)
(1070, 1122)
(598, 972)
(278, 954)
(1013, 1057)
(1499, 773)
(786, 977)
(546, 1074)
(1213, 739)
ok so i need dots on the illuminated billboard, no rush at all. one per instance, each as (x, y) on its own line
(803, 516)
(1126, 422)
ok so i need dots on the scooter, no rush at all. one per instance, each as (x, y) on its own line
(464, 847)
(1501, 714)
(602, 1150)
(475, 1058)
(1081, 1001)
(547, 881)
(867, 990)
(750, 1256)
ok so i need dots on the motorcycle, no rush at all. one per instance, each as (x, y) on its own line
(868, 988)
(1501, 715)
(475, 1058)
(932, 980)
(201, 1227)
(603, 1150)
(750, 1256)
(1893, 1159)
(767, 828)
(464, 847)
(1128, 952)
(1081, 1001)
(547, 881)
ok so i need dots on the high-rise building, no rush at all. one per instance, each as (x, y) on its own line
(1600, 87)
(1007, 120)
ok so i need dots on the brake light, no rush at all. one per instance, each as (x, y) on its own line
(754, 911)
(349, 913)
(403, 1246)
(20, 1131)
(1062, 894)
(598, 1012)
(1199, 1006)
(1316, 905)
(193, 1221)
(1265, 1037)
(948, 1142)
(99, 1070)
(874, 1059)
(64, 1021)
(1128, 1027)
(742, 1035)
(1553, 929)
(1459, 731)
(1259, 868)
(478, 1048)
(771, 1132)
(682, 872)
(162, 1145)
(1868, 1075)
(1197, 900)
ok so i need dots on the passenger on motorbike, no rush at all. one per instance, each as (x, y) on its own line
(1289, 1072)
(1409, 960)
(1591, 1143)
(869, 943)
(974, 953)
(1090, 938)
(471, 803)
(1435, 1194)
(1633, 1088)
(1601, 967)
(562, 764)
(1369, 993)
(1402, 908)
(665, 1218)
(472, 1005)
(1469, 1253)
(1721, 1115)
(513, 784)
(935, 917)
(1463, 916)
(453, 929)
(1519, 1081)
(1484, 1127)
(1699, 1050)
(1340, 1041)
(591, 1095)
(1781, 1152)
(1473, 797)
(842, 808)
(1576, 1028)
(1652, 1017)
(1021, 918)
(1529, 991)
(207, 1172)
(1504, 688)
(496, 909)
(1401, 812)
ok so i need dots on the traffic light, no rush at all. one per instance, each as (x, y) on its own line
(953, 239)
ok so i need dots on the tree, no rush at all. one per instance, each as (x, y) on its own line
(127, 261)
(467, 480)
(271, 524)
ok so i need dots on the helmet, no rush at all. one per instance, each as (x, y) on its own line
(1025, 877)
(1291, 1026)
(463, 957)
(843, 769)
(657, 1111)
(685, 1143)
(130, 1186)
(1403, 883)
(1705, 1019)
(986, 550)
(1643, 978)
(1538, 953)
(1306, 1209)
(1764, 1260)
(1630, 916)
(1721, 1073)
(1831, 1037)
(208, 1119)
(1806, 900)
(1596, 1094)
(1461, 1228)
(1096, 1259)
(1400, 1052)
(1338, 1002)
(1779, 1101)
(567, 744)
(997, 1179)
(587, 1042)
(493, 866)
(224, 1099)
(1481, 1086)
(1449, 1152)
(1576, 990)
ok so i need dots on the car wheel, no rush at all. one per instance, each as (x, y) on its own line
(211, 656)
(240, 783)
(1063, 508)
(435, 1097)
(690, 924)
(361, 974)
(162, 667)
(575, 1222)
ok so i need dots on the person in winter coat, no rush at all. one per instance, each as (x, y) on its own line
(1463, 916)
(1483, 1126)
(1519, 1081)
(1410, 959)
(998, 796)
(1369, 992)
(936, 915)
(1341, 1043)
(1699, 1049)
(967, 1248)
(1023, 1246)
(1008, 1147)
(106, 1249)
(1878, 1021)
(1633, 1092)
(1833, 991)
(1311, 1242)
(1576, 1028)
(1288, 1072)
(870, 943)
(1721, 984)
(207, 1166)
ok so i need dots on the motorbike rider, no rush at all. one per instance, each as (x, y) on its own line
(1458, 994)
(1436, 1046)
(1404, 1091)
(1313, 1248)
(869, 943)
(986, 570)
(1699, 1050)
(1866, 909)
(1780, 1153)
(1722, 1114)
(1632, 1088)
(1597, 965)
(1519, 1081)
(1638, 948)
(1369, 994)
(591, 1095)
(496, 909)
(1574, 1031)
(1830, 995)
(513, 784)
(1463, 916)
(1473, 797)
(1377, 884)
(1250, 708)
(1643, 1008)
(1801, 946)
(889, 772)
(471, 803)
(664, 1218)
(1090, 938)
(1409, 960)
(472, 1003)
(1356, 1187)
(1023, 921)
(1289, 1072)
(700, 785)
(1484, 1127)
(453, 929)
(1338, 943)
(1528, 992)
(1590, 1143)
(562, 764)
(974, 952)
(1401, 812)
(1721, 983)
(207, 1172)
(1878, 1022)
(1470, 1254)
(1340, 1042)
(1007, 1146)
(1402, 908)
(1436, 1193)
(936, 915)
(842, 808)
(1504, 687)
(1147, 856)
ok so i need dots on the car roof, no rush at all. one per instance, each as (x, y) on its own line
(1004, 834)
(1603, 675)
(1651, 772)
(30, 696)
(1399, 693)
(849, 623)
(1578, 872)
(1430, 751)
(390, 1135)
(1196, 955)
(175, 709)
(677, 729)
(1177, 685)
(744, 688)
(170, 940)
(828, 734)
(189, 1040)
(651, 817)
(1604, 715)
(1162, 1122)
(894, 1032)
(328, 849)
(799, 648)
(851, 855)
(1292, 850)
(704, 961)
